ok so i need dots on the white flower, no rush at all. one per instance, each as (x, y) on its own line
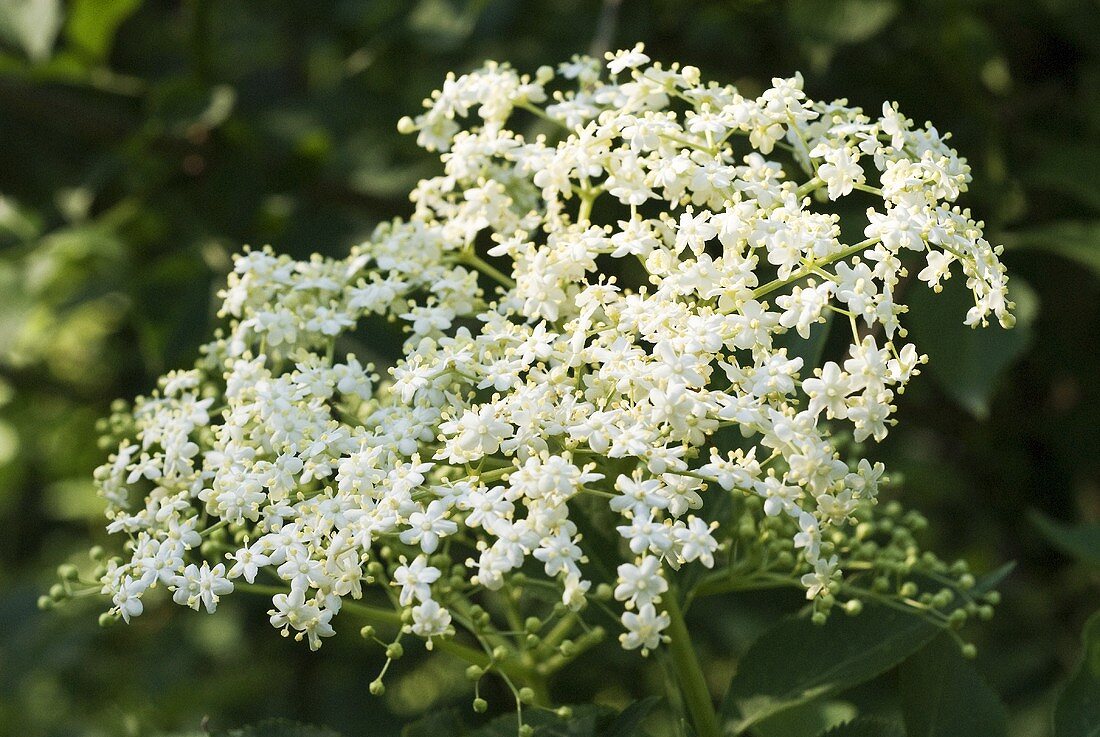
(567, 300)
(643, 628)
(631, 59)
(821, 578)
(641, 584)
(828, 391)
(415, 580)
(201, 586)
(430, 620)
(293, 611)
(427, 527)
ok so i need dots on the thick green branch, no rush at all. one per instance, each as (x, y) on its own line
(688, 672)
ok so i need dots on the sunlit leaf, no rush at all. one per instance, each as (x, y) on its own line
(841, 21)
(807, 720)
(92, 24)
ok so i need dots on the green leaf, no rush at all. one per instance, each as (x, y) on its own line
(796, 662)
(968, 362)
(1077, 713)
(277, 728)
(629, 721)
(1079, 541)
(1067, 170)
(92, 24)
(1076, 240)
(840, 21)
(944, 696)
(32, 25)
(443, 723)
(587, 721)
(811, 349)
(807, 720)
(866, 727)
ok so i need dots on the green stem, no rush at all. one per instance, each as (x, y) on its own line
(472, 259)
(809, 268)
(382, 617)
(688, 672)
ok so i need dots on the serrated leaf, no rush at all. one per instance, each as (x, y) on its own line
(966, 362)
(944, 696)
(807, 720)
(1077, 712)
(1079, 541)
(587, 721)
(437, 724)
(796, 662)
(866, 727)
(277, 728)
(629, 721)
(1076, 240)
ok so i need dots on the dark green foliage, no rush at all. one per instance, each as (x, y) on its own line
(1077, 713)
(943, 695)
(796, 662)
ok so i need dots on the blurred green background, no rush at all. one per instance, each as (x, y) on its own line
(142, 143)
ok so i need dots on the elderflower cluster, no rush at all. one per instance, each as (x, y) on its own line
(606, 327)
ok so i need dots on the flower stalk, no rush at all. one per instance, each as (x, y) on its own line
(689, 672)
